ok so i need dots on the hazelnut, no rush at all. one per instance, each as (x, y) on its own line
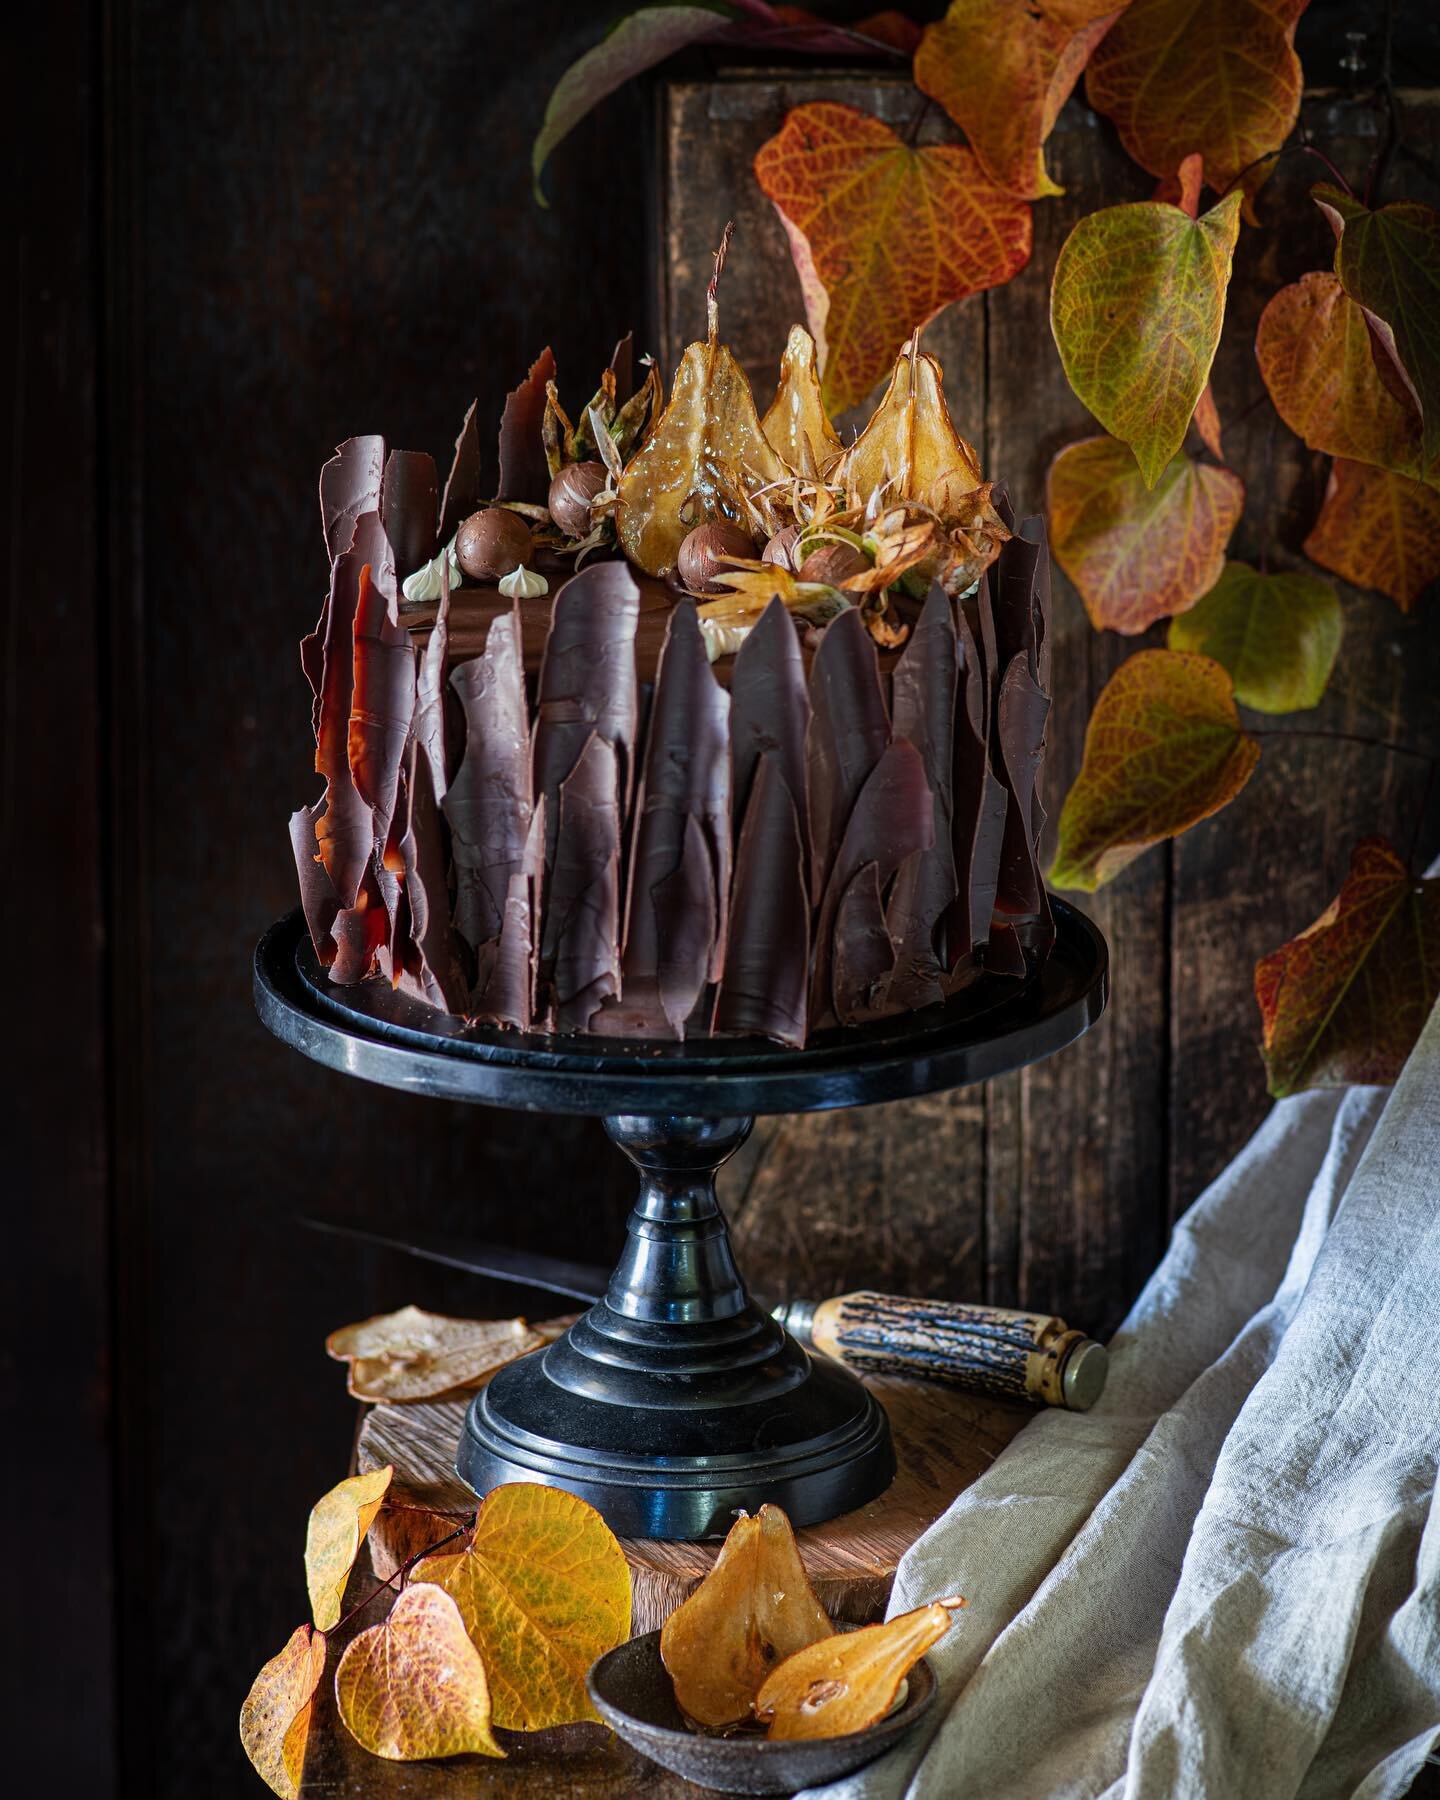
(571, 492)
(833, 564)
(781, 548)
(492, 543)
(705, 552)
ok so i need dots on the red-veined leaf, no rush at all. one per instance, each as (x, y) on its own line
(1378, 530)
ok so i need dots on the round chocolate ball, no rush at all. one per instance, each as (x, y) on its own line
(571, 492)
(492, 543)
(707, 551)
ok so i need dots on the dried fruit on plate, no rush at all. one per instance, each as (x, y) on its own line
(848, 1683)
(415, 1355)
(755, 1608)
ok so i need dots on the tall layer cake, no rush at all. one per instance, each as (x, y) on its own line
(703, 724)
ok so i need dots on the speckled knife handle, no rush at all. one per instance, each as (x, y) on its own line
(1013, 1355)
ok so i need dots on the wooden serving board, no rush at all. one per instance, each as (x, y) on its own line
(943, 1440)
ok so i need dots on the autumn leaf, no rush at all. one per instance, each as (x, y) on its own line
(1217, 77)
(415, 1355)
(1345, 1001)
(337, 1528)
(543, 1588)
(1378, 530)
(1164, 749)
(1138, 554)
(1278, 635)
(883, 235)
(414, 1685)
(275, 1717)
(1002, 69)
(1136, 306)
(1207, 423)
(1313, 348)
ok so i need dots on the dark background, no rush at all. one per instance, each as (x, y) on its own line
(239, 234)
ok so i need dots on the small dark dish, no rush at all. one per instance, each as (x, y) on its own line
(632, 1693)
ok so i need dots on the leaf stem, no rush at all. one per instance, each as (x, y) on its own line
(1345, 737)
(404, 1569)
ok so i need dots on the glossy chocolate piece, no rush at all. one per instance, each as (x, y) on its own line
(382, 704)
(580, 955)
(849, 729)
(523, 473)
(462, 484)
(409, 511)
(767, 960)
(769, 709)
(350, 484)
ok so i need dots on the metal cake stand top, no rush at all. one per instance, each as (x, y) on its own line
(370, 1031)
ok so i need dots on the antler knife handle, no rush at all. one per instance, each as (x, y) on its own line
(987, 1349)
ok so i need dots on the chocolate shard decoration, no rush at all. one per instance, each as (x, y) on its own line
(687, 900)
(317, 897)
(409, 509)
(350, 484)
(489, 804)
(864, 955)
(622, 364)
(923, 712)
(980, 799)
(382, 703)
(504, 994)
(892, 820)
(1022, 615)
(462, 484)
(1020, 732)
(360, 933)
(430, 693)
(769, 708)
(312, 659)
(1004, 954)
(426, 964)
(523, 472)
(582, 902)
(767, 958)
(849, 729)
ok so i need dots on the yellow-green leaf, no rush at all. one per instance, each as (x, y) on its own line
(543, 1588)
(1136, 306)
(414, 1685)
(1138, 554)
(275, 1718)
(337, 1528)
(1164, 749)
(1278, 635)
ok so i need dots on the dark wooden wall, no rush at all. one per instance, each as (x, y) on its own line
(240, 233)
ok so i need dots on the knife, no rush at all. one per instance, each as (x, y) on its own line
(984, 1349)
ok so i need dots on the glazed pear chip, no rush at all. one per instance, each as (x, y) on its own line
(755, 1608)
(797, 426)
(415, 1355)
(848, 1683)
(910, 450)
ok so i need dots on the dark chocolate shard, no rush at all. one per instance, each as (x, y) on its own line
(1020, 732)
(767, 957)
(430, 693)
(849, 729)
(892, 820)
(923, 711)
(360, 933)
(582, 901)
(504, 992)
(350, 484)
(428, 966)
(317, 897)
(864, 955)
(524, 473)
(490, 804)
(769, 708)
(622, 366)
(1004, 954)
(1014, 577)
(462, 484)
(382, 703)
(312, 660)
(979, 799)
(687, 901)
(410, 510)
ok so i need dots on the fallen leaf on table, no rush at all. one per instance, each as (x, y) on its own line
(1345, 1001)
(414, 1686)
(544, 1589)
(337, 1528)
(1278, 635)
(275, 1717)
(755, 1608)
(1378, 530)
(849, 1681)
(415, 1355)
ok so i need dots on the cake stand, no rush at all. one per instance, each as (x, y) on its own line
(676, 1400)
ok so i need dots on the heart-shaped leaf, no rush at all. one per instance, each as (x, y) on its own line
(1217, 77)
(883, 235)
(1378, 530)
(414, 1685)
(275, 1718)
(1136, 306)
(1345, 1001)
(1278, 635)
(415, 1355)
(1002, 69)
(337, 1528)
(543, 1588)
(1164, 749)
(1138, 554)
(1313, 348)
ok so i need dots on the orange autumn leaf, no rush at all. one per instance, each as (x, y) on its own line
(883, 235)
(1378, 530)
(1207, 423)
(1345, 1000)
(1002, 69)
(544, 1589)
(1138, 554)
(414, 1685)
(275, 1717)
(337, 1528)
(1215, 77)
(1164, 749)
(1313, 348)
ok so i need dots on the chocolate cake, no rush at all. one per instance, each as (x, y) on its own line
(680, 722)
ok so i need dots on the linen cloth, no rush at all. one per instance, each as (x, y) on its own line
(1224, 1581)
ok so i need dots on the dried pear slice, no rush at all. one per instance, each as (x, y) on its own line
(849, 1682)
(910, 450)
(797, 425)
(753, 1610)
